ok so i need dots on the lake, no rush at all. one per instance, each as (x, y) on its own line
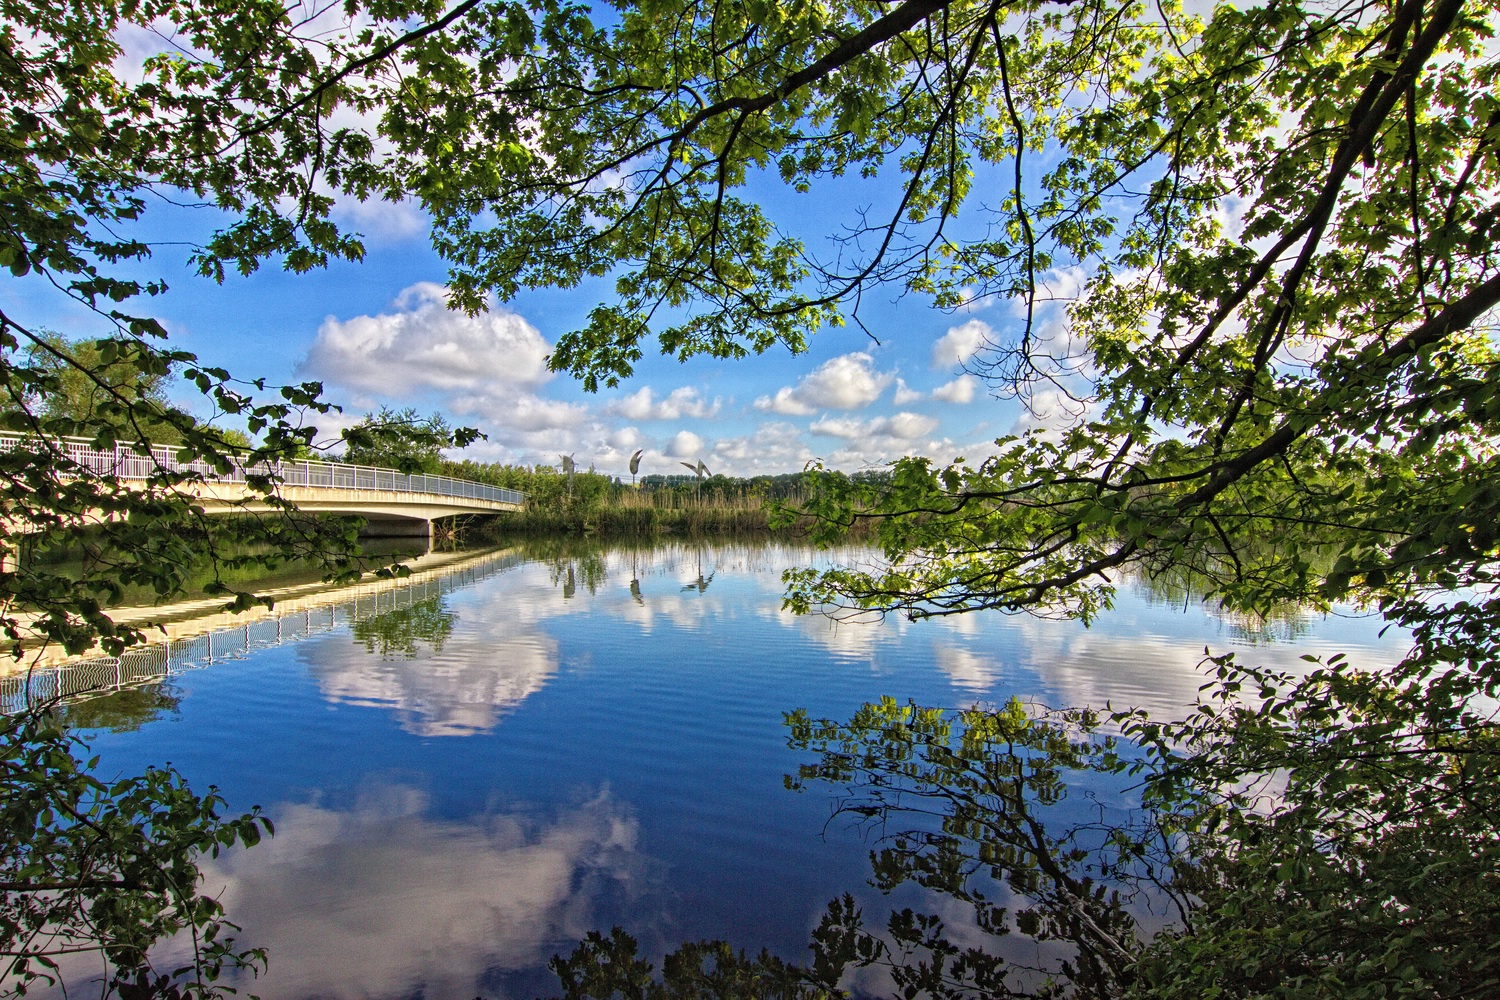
(476, 769)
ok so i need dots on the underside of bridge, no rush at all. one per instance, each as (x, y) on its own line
(395, 526)
(413, 523)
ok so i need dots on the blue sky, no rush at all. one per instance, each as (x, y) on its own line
(378, 333)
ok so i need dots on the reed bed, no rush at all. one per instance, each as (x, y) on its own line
(643, 513)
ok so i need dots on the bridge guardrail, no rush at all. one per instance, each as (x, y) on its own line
(125, 462)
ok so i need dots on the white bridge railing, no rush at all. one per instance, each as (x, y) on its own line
(123, 461)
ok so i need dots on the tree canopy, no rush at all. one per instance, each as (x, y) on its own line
(1280, 219)
(402, 439)
(1280, 358)
(76, 385)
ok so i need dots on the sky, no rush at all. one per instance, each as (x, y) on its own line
(378, 333)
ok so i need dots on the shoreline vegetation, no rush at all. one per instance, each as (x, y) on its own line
(592, 503)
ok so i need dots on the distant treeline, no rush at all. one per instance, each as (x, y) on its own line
(594, 502)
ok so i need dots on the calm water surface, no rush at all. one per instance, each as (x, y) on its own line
(571, 740)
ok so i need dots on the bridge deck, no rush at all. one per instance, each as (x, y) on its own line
(320, 487)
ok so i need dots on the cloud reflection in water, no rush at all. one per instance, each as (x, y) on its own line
(383, 900)
(457, 688)
(457, 667)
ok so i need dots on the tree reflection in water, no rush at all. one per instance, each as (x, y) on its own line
(406, 632)
(972, 805)
(1322, 838)
(1034, 863)
(123, 711)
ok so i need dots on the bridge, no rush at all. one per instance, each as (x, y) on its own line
(393, 504)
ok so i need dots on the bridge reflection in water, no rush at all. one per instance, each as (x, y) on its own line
(196, 643)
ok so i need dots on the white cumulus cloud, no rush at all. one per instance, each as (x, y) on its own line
(900, 426)
(774, 448)
(520, 411)
(423, 345)
(961, 343)
(786, 403)
(382, 219)
(960, 390)
(685, 402)
(1050, 413)
(1059, 285)
(625, 438)
(684, 444)
(840, 427)
(847, 382)
(904, 393)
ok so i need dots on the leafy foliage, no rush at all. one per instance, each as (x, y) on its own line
(72, 383)
(1304, 854)
(107, 868)
(1368, 867)
(1280, 218)
(1281, 373)
(403, 440)
(229, 114)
